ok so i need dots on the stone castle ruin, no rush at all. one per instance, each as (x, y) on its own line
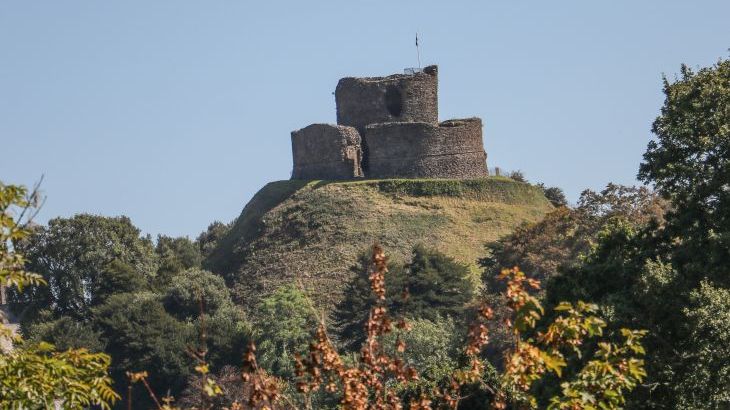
(387, 127)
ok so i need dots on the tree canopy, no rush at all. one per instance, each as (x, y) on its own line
(74, 256)
(672, 278)
(430, 286)
(35, 375)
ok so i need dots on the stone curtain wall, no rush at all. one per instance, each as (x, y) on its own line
(396, 98)
(324, 151)
(452, 149)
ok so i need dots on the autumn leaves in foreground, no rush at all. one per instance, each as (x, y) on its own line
(380, 378)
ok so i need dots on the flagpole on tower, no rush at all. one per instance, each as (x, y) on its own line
(418, 51)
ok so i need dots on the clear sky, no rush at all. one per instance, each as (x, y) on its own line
(176, 112)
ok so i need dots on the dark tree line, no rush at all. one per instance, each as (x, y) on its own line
(111, 289)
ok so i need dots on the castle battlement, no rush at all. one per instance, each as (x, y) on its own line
(387, 127)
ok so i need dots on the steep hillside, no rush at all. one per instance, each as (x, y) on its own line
(314, 230)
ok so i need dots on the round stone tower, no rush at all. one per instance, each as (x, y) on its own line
(388, 127)
(395, 98)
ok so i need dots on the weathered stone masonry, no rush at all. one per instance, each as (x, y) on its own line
(325, 151)
(388, 128)
(396, 98)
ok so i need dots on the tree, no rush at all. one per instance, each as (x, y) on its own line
(563, 238)
(434, 284)
(183, 296)
(120, 277)
(689, 164)
(202, 298)
(437, 285)
(554, 194)
(672, 278)
(35, 375)
(381, 372)
(67, 333)
(284, 323)
(518, 176)
(208, 240)
(175, 255)
(351, 313)
(15, 203)
(161, 333)
(432, 347)
(228, 332)
(708, 314)
(73, 255)
(140, 335)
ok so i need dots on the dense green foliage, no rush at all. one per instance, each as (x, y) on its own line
(668, 275)
(141, 335)
(112, 290)
(555, 195)
(430, 286)
(380, 374)
(689, 164)
(175, 255)
(67, 333)
(74, 255)
(146, 331)
(436, 286)
(566, 235)
(209, 239)
(433, 347)
(351, 313)
(285, 322)
(36, 375)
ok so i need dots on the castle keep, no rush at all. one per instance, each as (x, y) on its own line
(387, 127)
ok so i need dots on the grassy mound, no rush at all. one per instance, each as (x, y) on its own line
(313, 231)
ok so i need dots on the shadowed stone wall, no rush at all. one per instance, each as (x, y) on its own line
(396, 98)
(452, 149)
(325, 151)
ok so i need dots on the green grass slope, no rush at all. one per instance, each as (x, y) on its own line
(313, 231)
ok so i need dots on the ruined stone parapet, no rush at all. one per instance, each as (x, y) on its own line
(396, 98)
(325, 151)
(452, 149)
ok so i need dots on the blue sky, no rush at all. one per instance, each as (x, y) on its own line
(176, 112)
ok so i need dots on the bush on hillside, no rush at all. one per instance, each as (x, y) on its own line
(554, 194)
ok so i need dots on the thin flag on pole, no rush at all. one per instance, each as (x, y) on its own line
(418, 51)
